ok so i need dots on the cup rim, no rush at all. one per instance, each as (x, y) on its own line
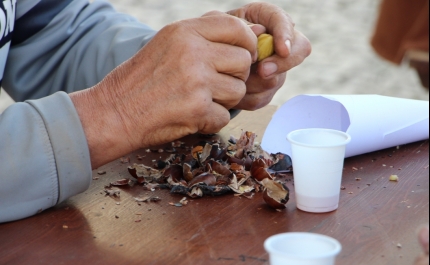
(337, 249)
(345, 142)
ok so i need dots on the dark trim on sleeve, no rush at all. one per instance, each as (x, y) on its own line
(36, 19)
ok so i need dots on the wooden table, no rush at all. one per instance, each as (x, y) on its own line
(376, 222)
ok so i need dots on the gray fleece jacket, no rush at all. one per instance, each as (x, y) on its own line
(49, 48)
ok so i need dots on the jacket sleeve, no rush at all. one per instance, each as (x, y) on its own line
(62, 45)
(44, 156)
(68, 45)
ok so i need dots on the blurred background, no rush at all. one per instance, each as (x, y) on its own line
(342, 60)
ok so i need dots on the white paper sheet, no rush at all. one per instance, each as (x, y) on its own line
(374, 122)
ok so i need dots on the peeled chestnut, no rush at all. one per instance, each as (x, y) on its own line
(265, 46)
(275, 194)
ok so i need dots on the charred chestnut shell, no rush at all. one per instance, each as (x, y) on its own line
(275, 194)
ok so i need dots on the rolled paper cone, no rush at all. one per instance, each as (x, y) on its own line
(374, 122)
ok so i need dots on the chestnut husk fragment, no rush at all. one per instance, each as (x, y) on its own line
(216, 152)
(257, 164)
(207, 178)
(133, 173)
(222, 180)
(113, 192)
(148, 174)
(283, 164)
(275, 194)
(262, 173)
(233, 159)
(175, 171)
(179, 189)
(214, 190)
(186, 172)
(220, 168)
(160, 164)
(212, 169)
(120, 182)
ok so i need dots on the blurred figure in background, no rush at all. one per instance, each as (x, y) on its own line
(402, 34)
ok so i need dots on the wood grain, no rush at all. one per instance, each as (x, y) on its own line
(374, 216)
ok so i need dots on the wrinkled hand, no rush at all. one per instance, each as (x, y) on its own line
(291, 48)
(183, 81)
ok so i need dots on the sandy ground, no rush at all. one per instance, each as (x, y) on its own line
(342, 61)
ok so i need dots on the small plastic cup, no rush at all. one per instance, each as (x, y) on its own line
(317, 155)
(301, 248)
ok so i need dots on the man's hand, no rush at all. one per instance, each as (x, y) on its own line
(186, 79)
(291, 48)
(183, 81)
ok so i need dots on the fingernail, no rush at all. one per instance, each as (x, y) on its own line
(288, 44)
(269, 68)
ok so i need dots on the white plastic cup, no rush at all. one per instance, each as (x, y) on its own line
(301, 248)
(317, 155)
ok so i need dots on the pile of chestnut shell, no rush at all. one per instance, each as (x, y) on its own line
(241, 167)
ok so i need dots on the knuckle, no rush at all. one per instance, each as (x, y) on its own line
(234, 23)
(200, 104)
(253, 105)
(247, 59)
(237, 92)
(173, 29)
(304, 45)
(198, 82)
(243, 62)
(308, 48)
(224, 120)
(272, 83)
(221, 121)
(214, 13)
(215, 122)
(230, 93)
(257, 103)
